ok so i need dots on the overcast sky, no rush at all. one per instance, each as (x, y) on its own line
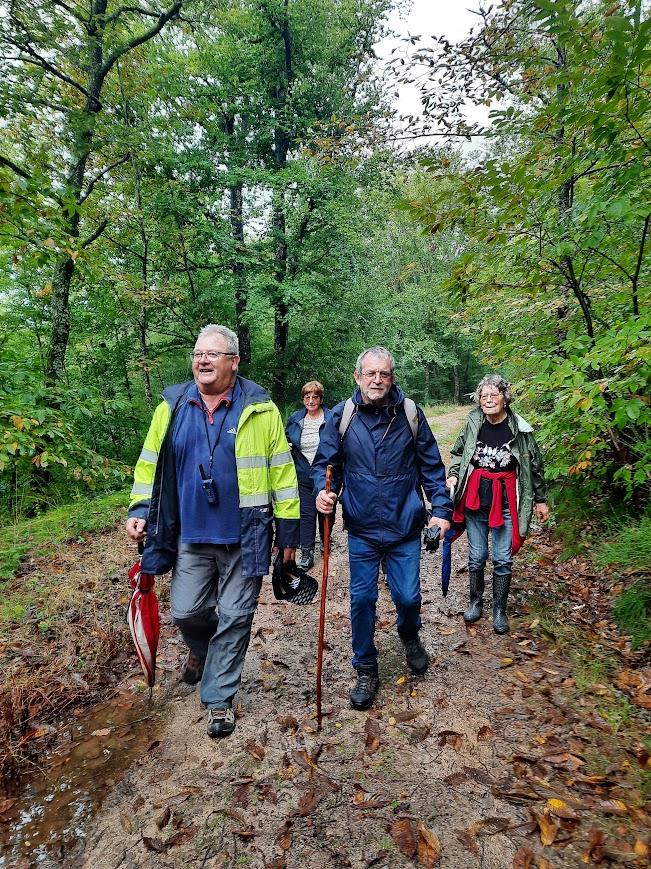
(427, 18)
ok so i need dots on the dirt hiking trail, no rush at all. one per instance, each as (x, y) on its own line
(483, 762)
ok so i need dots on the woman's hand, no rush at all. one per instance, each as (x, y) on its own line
(451, 482)
(542, 512)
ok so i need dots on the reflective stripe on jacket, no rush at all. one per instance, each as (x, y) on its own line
(266, 480)
(531, 480)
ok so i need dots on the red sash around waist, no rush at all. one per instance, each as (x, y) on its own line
(470, 499)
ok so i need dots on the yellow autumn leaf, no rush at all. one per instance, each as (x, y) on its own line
(401, 680)
(19, 422)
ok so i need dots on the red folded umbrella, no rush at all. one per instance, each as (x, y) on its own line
(143, 620)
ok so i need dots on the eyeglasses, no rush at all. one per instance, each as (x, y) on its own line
(196, 355)
(383, 375)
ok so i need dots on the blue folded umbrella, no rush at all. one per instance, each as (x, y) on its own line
(446, 554)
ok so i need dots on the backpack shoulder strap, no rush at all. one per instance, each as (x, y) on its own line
(411, 411)
(350, 409)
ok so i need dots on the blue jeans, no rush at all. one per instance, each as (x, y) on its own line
(403, 576)
(477, 530)
(213, 606)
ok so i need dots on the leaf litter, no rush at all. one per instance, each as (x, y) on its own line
(555, 778)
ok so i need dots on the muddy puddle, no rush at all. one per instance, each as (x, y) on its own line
(47, 814)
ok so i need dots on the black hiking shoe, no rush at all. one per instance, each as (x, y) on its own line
(306, 561)
(501, 586)
(221, 722)
(474, 611)
(192, 669)
(416, 656)
(362, 695)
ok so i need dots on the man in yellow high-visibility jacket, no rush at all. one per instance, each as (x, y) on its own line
(214, 472)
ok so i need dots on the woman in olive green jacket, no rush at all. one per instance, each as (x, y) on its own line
(497, 474)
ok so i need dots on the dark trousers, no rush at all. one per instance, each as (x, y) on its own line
(309, 515)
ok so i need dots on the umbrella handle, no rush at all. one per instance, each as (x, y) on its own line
(324, 586)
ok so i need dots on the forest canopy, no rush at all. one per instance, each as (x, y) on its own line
(167, 165)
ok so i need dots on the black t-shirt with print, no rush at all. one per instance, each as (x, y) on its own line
(493, 450)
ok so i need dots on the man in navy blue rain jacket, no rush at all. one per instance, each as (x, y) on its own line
(385, 465)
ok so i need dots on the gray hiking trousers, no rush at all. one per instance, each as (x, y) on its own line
(213, 606)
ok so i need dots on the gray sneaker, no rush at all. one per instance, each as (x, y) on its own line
(221, 722)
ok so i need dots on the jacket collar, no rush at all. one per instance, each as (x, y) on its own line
(396, 398)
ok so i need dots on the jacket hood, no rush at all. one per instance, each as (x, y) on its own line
(395, 397)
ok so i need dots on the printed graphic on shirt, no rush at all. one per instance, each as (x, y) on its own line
(492, 458)
(493, 450)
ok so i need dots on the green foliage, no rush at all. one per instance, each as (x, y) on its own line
(38, 536)
(630, 546)
(633, 614)
(552, 223)
(42, 442)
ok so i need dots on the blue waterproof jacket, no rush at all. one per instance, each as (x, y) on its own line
(266, 481)
(381, 497)
(293, 431)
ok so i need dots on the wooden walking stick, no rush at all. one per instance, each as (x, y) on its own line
(324, 586)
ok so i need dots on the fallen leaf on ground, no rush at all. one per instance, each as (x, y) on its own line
(594, 851)
(485, 733)
(429, 847)
(372, 731)
(612, 807)
(406, 715)
(308, 802)
(523, 859)
(156, 845)
(547, 827)
(450, 737)
(5, 805)
(104, 731)
(303, 759)
(564, 761)
(469, 842)
(364, 800)
(402, 833)
(560, 809)
(284, 837)
(255, 750)
(164, 818)
(488, 827)
(287, 722)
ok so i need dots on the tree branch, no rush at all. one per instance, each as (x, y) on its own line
(155, 29)
(5, 161)
(95, 235)
(640, 257)
(100, 175)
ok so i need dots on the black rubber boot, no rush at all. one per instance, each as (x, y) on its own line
(416, 656)
(501, 586)
(474, 611)
(362, 695)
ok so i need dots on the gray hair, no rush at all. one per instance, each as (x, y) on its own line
(382, 352)
(232, 343)
(499, 383)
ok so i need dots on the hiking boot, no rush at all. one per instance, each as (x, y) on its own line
(221, 722)
(192, 668)
(501, 586)
(416, 656)
(474, 611)
(306, 561)
(361, 697)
